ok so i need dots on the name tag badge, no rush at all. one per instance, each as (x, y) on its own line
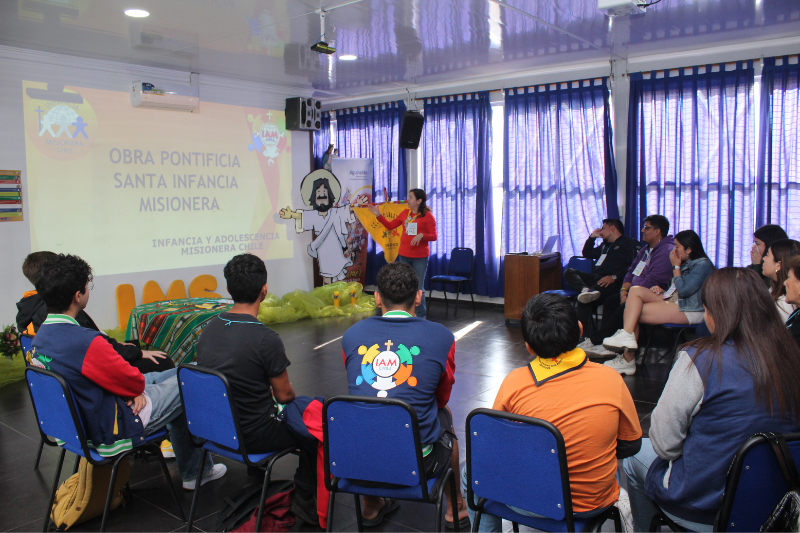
(670, 291)
(601, 259)
(639, 268)
(411, 228)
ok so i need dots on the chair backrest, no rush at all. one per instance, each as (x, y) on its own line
(209, 407)
(461, 262)
(754, 485)
(55, 409)
(26, 342)
(532, 474)
(372, 439)
(583, 264)
(576, 262)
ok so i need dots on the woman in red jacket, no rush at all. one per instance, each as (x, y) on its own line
(419, 227)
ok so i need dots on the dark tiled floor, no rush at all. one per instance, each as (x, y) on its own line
(483, 357)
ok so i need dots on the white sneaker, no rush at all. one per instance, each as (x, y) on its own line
(593, 350)
(622, 366)
(217, 471)
(624, 507)
(621, 340)
(587, 296)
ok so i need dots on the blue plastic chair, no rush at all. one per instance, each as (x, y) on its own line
(753, 488)
(376, 440)
(212, 417)
(532, 474)
(54, 406)
(583, 264)
(26, 342)
(459, 270)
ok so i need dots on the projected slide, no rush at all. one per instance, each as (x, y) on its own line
(132, 189)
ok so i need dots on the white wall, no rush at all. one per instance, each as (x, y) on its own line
(17, 65)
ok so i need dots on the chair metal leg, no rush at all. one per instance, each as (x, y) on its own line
(39, 453)
(170, 484)
(198, 482)
(267, 475)
(437, 525)
(458, 293)
(53, 492)
(77, 464)
(477, 523)
(471, 296)
(515, 527)
(615, 515)
(110, 493)
(331, 499)
(359, 517)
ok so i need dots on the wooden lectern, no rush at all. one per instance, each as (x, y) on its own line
(526, 276)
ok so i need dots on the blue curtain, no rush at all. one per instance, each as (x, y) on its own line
(559, 174)
(457, 178)
(691, 148)
(373, 132)
(779, 150)
(322, 139)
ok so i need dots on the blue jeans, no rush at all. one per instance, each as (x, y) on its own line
(162, 388)
(642, 507)
(494, 524)
(420, 266)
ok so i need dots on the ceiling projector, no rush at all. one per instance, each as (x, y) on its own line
(621, 8)
(323, 48)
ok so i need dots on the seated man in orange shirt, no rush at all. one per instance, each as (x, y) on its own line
(588, 403)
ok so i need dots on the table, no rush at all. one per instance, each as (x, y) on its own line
(174, 325)
(526, 276)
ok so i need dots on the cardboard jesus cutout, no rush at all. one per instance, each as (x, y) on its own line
(320, 190)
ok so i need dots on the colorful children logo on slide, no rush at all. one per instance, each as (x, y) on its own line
(386, 370)
(59, 121)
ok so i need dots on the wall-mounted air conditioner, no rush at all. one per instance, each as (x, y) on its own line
(178, 97)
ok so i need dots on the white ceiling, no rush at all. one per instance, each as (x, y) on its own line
(399, 43)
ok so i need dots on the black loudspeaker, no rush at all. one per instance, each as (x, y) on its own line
(303, 114)
(411, 130)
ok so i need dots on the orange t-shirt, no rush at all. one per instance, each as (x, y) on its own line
(592, 408)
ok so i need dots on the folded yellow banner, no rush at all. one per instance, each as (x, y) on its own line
(388, 239)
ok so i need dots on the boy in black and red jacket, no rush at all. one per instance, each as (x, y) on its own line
(118, 405)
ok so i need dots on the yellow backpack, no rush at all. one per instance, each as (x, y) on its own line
(83, 495)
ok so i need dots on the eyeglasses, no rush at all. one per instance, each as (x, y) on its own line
(645, 228)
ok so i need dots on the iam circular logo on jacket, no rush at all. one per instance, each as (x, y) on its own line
(384, 370)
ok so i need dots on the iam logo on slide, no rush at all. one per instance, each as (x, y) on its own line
(384, 370)
(59, 122)
(268, 138)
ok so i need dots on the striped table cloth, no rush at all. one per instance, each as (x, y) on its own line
(174, 325)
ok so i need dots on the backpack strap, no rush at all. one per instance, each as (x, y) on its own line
(785, 459)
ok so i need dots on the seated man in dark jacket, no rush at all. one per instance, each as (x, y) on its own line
(118, 405)
(32, 312)
(611, 261)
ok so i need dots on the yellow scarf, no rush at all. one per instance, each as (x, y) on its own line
(544, 370)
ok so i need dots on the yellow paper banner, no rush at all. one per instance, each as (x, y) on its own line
(388, 239)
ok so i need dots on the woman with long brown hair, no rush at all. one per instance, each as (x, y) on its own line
(774, 267)
(742, 379)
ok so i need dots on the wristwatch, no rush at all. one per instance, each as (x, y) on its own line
(676, 267)
(614, 277)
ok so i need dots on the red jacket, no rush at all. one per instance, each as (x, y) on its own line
(426, 225)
